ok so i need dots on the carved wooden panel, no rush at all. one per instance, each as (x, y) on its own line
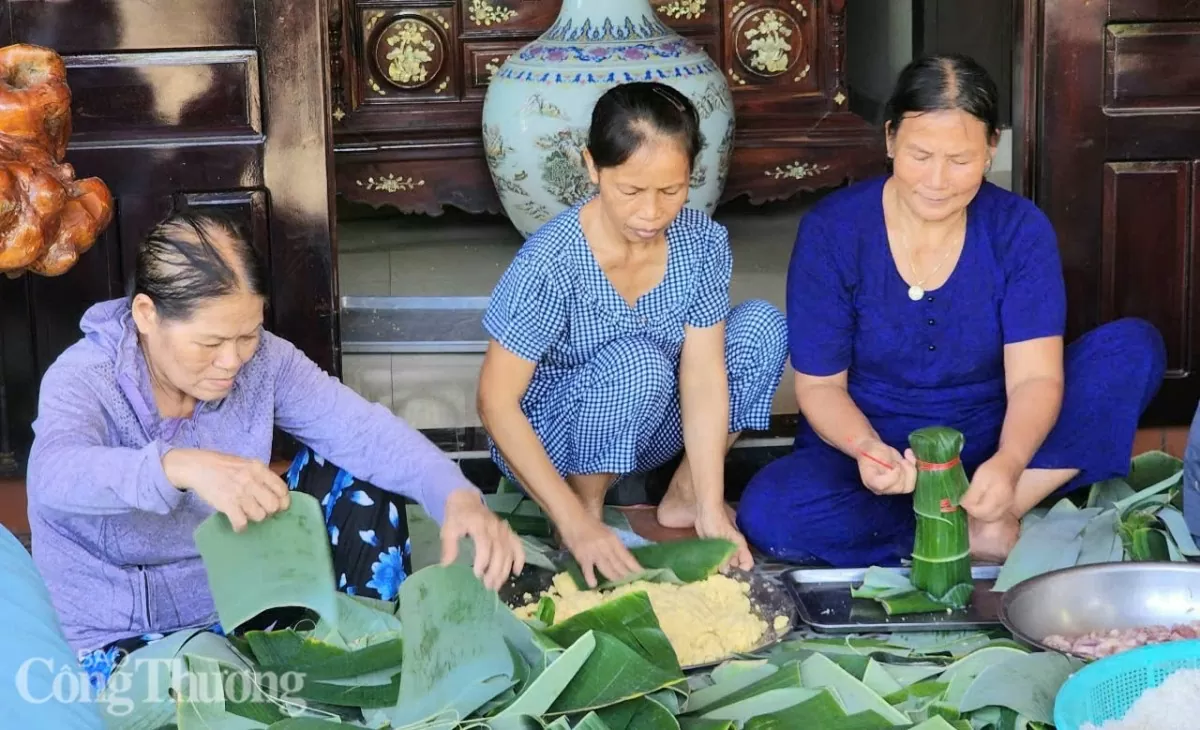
(771, 43)
(481, 18)
(689, 15)
(1147, 66)
(766, 170)
(422, 183)
(1146, 250)
(409, 55)
(483, 60)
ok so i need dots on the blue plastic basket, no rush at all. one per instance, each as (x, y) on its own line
(1105, 689)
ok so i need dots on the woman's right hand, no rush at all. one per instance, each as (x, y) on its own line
(900, 479)
(597, 548)
(243, 490)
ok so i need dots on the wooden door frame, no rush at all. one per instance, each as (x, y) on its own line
(303, 262)
(1026, 101)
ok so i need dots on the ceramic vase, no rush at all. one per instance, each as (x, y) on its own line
(539, 105)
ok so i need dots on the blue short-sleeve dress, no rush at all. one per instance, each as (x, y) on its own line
(936, 361)
(604, 394)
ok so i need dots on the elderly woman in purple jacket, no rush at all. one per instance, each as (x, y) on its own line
(164, 413)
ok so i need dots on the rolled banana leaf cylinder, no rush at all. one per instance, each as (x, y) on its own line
(942, 550)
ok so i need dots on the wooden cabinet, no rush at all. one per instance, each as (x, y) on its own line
(1107, 127)
(409, 78)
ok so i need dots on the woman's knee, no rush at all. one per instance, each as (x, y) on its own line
(637, 368)
(764, 507)
(1135, 348)
(758, 324)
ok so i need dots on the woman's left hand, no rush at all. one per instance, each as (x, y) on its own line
(993, 489)
(717, 524)
(498, 550)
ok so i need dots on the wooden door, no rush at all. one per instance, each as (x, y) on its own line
(216, 103)
(1108, 145)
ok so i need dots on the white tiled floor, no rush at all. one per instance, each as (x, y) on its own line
(457, 255)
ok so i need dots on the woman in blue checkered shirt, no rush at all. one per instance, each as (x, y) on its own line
(614, 346)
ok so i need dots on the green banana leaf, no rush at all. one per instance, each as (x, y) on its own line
(818, 672)
(631, 620)
(1141, 536)
(961, 675)
(615, 673)
(1026, 684)
(785, 677)
(1108, 493)
(1152, 471)
(677, 561)
(878, 680)
(1179, 531)
(919, 700)
(821, 710)
(642, 713)
(457, 638)
(729, 683)
(204, 707)
(138, 694)
(541, 694)
(1051, 543)
(1101, 543)
(907, 675)
(282, 561)
(369, 642)
(766, 703)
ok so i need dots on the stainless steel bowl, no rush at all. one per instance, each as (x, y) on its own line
(1101, 597)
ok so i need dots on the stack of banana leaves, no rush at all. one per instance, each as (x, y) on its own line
(449, 654)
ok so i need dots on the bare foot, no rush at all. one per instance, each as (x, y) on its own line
(677, 510)
(991, 542)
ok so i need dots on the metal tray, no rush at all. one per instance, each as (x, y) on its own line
(823, 601)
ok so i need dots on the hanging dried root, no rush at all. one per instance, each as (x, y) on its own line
(47, 217)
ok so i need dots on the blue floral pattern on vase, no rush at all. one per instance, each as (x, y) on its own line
(673, 48)
(564, 29)
(538, 105)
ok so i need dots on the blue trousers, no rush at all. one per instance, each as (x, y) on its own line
(620, 413)
(1191, 477)
(810, 507)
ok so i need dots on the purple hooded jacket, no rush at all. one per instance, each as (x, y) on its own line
(113, 538)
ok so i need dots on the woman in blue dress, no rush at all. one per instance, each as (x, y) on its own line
(614, 346)
(932, 297)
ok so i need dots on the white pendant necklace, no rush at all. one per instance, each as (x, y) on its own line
(917, 291)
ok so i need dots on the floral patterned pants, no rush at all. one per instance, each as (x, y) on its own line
(368, 536)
